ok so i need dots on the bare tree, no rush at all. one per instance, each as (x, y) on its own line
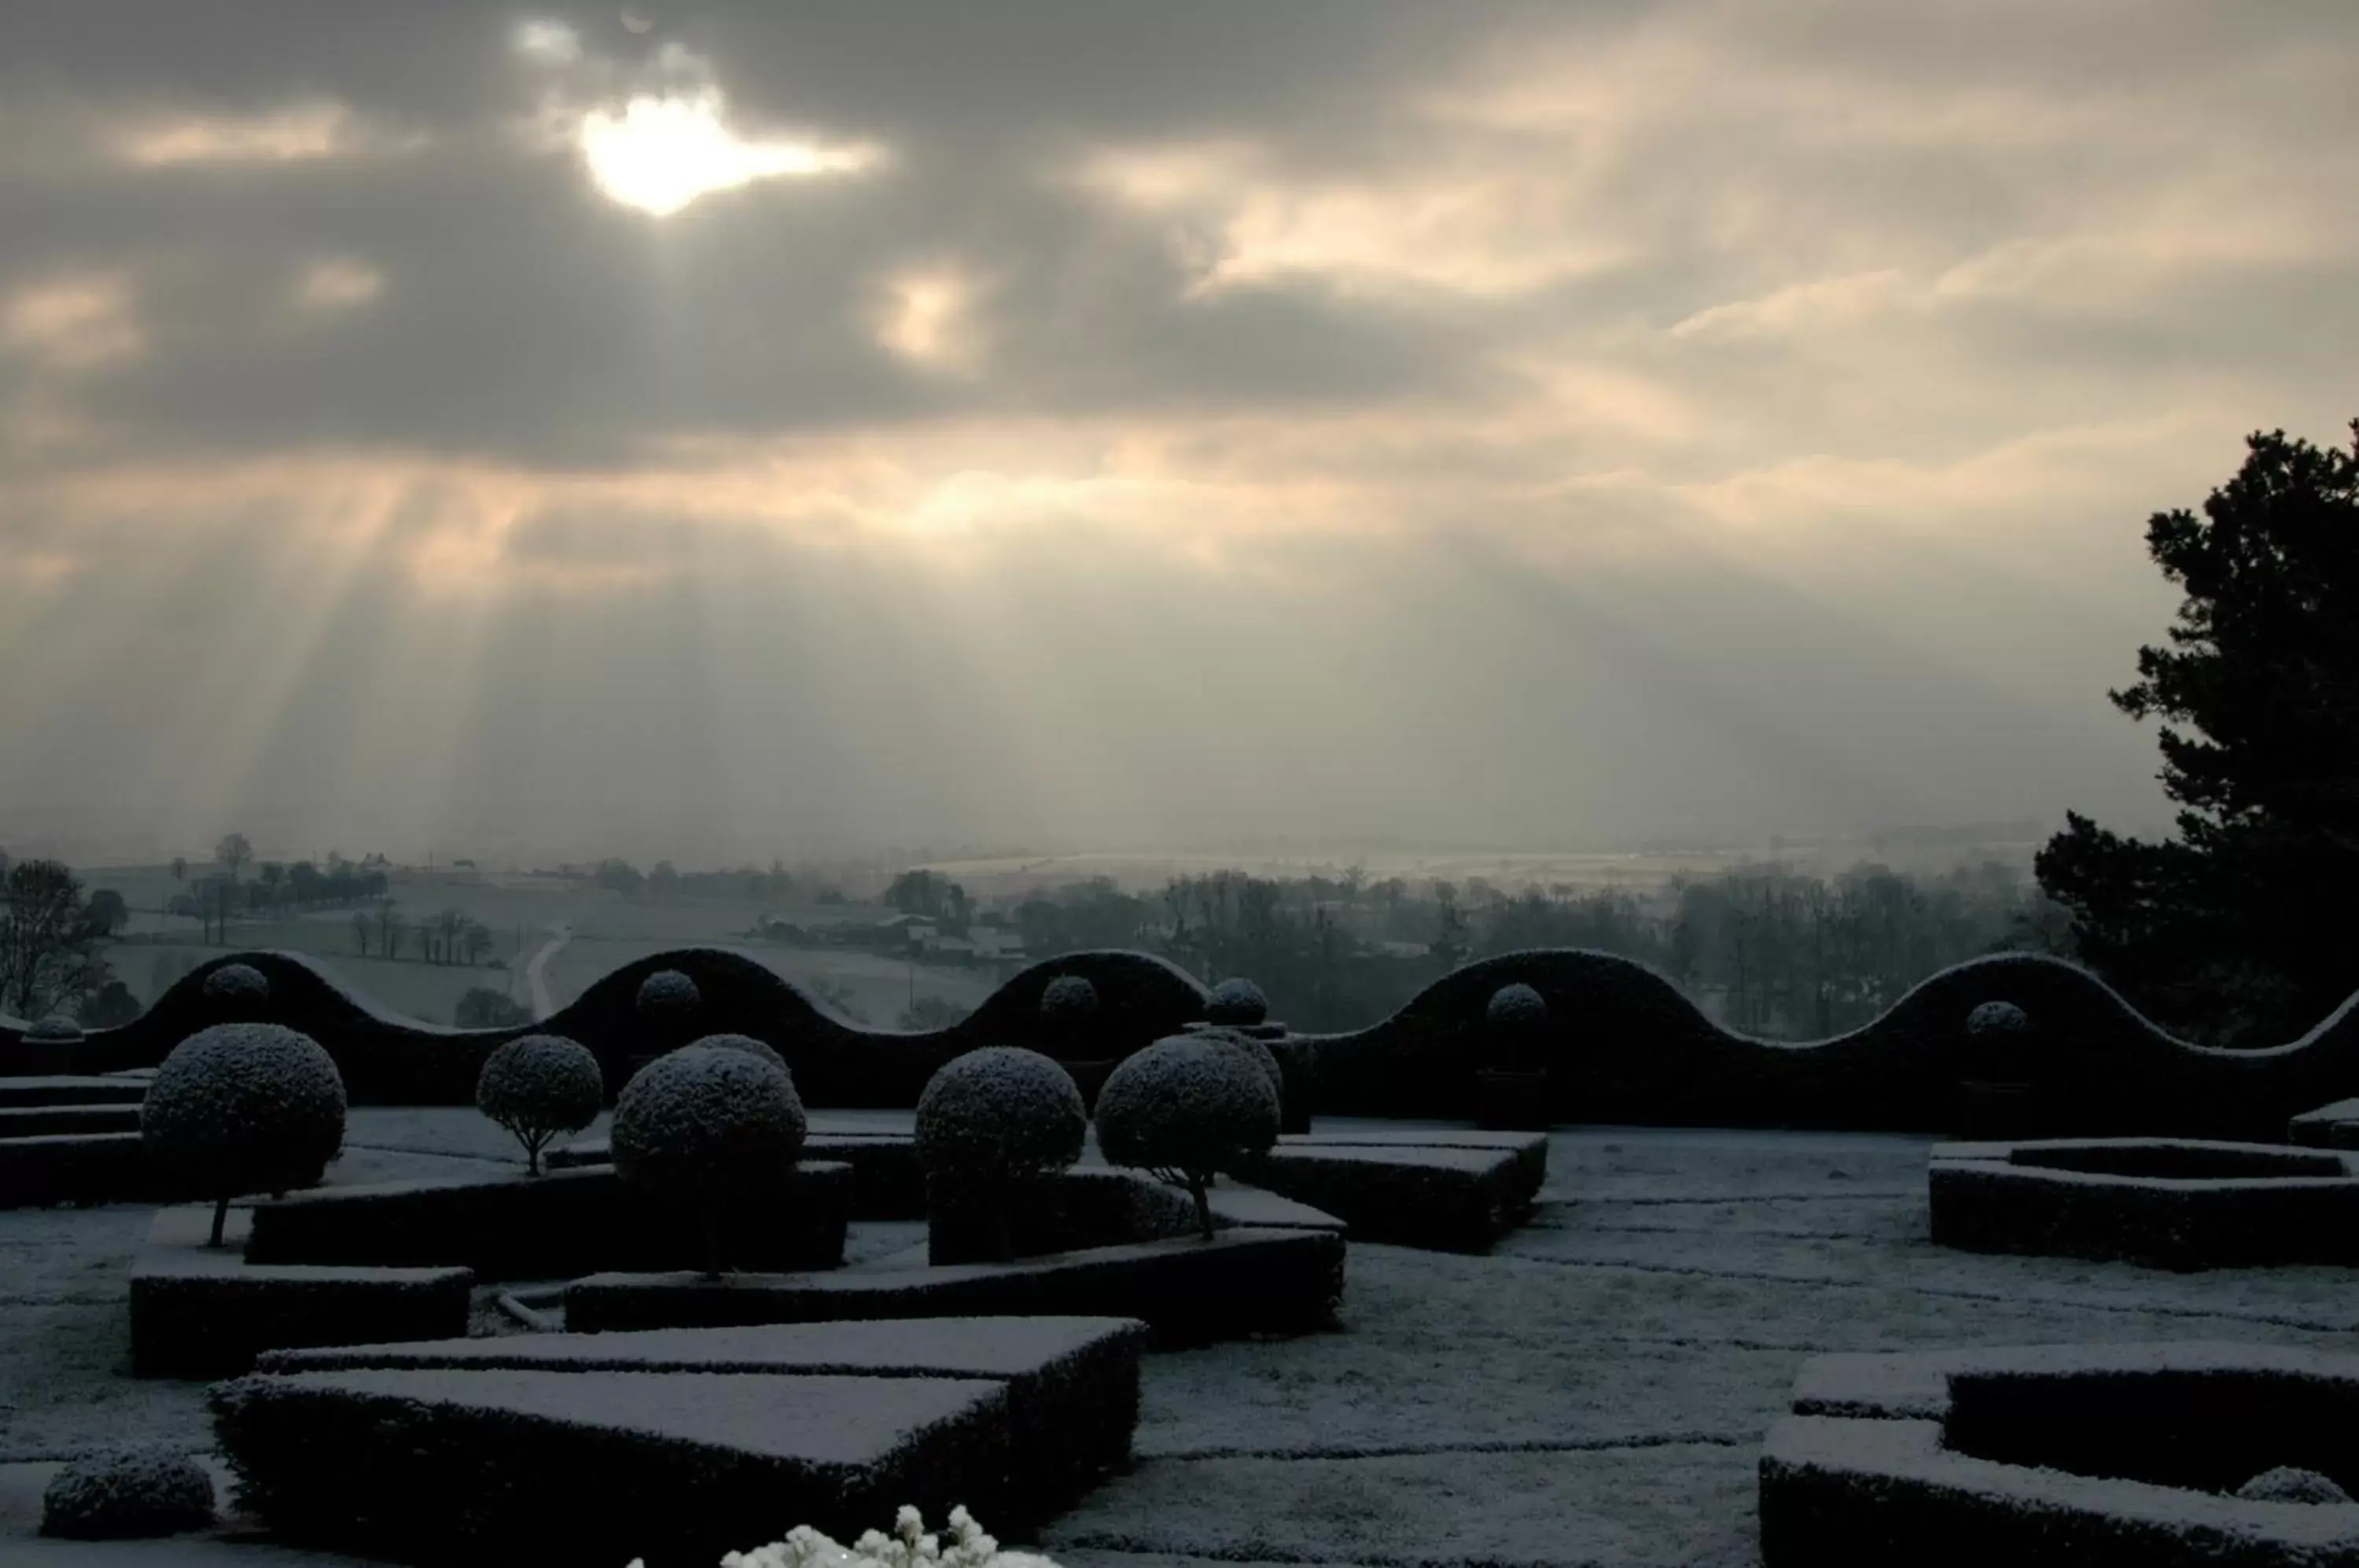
(48, 944)
(235, 852)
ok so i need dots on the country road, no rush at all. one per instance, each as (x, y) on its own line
(535, 973)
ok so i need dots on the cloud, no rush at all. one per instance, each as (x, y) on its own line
(1709, 415)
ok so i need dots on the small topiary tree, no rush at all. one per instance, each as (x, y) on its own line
(1185, 1107)
(667, 996)
(131, 1494)
(992, 1117)
(1069, 999)
(245, 1109)
(1514, 1017)
(1998, 1032)
(238, 991)
(1237, 1001)
(749, 1045)
(537, 1087)
(1264, 1058)
(708, 1127)
(56, 1029)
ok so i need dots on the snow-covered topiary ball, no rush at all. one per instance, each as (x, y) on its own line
(246, 1108)
(539, 1085)
(2286, 1484)
(1000, 1113)
(1185, 1107)
(704, 1121)
(1998, 1019)
(1264, 1058)
(128, 1495)
(749, 1045)
(1068, 999)
(56, 1028)
(1237, 1000)
(1515, 1006)
(239, 988)
(668, 996)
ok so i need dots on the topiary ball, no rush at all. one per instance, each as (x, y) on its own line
(2288, 1485)
(1515, 1006)
(706, 1120)
(1237, 1000)
(539, 1085)
(129, 1495)
(999, 1112)
(1998, 1019)
(668, 996)
(749, 1045)
(246, 1108)
(1068, 999)
(1264, 1058)
(56, 1028)
(240, 988)
(1187, 1103)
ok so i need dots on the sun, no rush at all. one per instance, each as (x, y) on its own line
(659, 154)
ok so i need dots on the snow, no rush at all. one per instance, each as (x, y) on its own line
(249, 1106)
(128, 1493)
(1237, 1001)
(2286, 1484)
(1596, 1388)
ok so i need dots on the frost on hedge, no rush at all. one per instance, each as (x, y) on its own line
(1237, 1000)
(537, 1087)
(1069, 999)
(749, 1045)
(1514, 1016)
(57, 1027)
(2286, 1484)
(1185, 1107)
(239, 987)
(667, 996)
(1000, 1113)
(131, 1494)
(1998, 1019)
(245, 1107)
(1264, 1058)
(704, 1127)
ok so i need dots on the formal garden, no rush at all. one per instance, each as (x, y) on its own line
(1546, 1267)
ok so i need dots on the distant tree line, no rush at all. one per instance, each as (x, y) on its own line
(748, 884)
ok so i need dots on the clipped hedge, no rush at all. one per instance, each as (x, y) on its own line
(1191, 1290)
(557, 1225)
(1068, 1211)
(1072, 1383)
(1452, 1200)
(437, 1465)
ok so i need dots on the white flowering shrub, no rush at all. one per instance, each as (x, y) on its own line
(909, 1546)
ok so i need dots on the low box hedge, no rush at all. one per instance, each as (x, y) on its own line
(201, 1311)
(1068, 1211)
(49, 1121)
(82, 1168)
(57, 1089)
(1072, 1383)
(1459, 1200)
(557, 1225)
(887, 1182)
(440, 1465)
(1189, 1290)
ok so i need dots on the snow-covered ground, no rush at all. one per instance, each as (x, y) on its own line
(1595, 1390)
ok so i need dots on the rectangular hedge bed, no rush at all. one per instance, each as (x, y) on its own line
(81, 1167)
(1189, 1289)
(557, 1225)
(1072, 1383)
(47, 1121)
(1458, 1199)
(438, 1465)
(201, 1311)
(887, 1183)
(70, 1090)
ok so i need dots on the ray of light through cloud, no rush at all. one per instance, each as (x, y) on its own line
(1722, 418)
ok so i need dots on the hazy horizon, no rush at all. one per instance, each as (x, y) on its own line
(1083, 425)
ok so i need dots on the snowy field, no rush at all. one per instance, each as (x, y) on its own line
(1593, 1391)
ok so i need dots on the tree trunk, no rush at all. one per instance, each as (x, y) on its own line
(1203, 1203)
(221, 1217)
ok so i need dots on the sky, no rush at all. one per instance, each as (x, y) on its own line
(1097, 424)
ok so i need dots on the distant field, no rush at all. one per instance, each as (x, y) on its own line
(426, 991)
